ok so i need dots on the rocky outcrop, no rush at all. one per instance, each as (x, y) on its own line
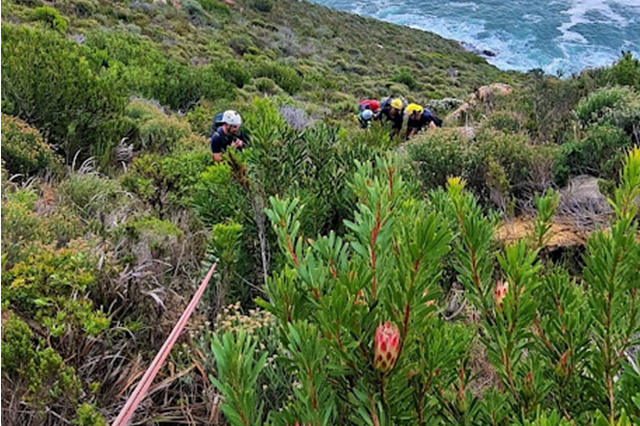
(484, 96)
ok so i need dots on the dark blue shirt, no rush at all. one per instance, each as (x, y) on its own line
(220, 141)
(424, 120)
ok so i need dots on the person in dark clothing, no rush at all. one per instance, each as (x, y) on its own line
(391, 111)
(420, 118)
(226, 135)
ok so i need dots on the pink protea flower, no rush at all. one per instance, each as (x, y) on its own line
(386, 345)
(500, 292)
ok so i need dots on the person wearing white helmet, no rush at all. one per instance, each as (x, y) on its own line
(365, 118)
(226, 135)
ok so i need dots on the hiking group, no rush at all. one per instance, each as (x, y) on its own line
(392, 110)
(226, 125)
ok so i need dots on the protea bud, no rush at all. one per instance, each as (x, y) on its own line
(386, 347)
(501, 290)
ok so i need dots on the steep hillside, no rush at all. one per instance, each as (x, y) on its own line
(358, 282)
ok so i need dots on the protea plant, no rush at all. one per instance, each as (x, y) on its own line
(386, 347)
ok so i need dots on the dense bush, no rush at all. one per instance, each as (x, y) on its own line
(49, 382)
(264, 6)
(162, 134)
(47, 82)
(233, 72)
(240, 43)
(617, 106)
(166, 182)
(497, 165)
(599, 153)
(625, 72)
(92, 195)
(152, 75)
(365, 335)
(23, 149)
(50, 17)
(285, 77)
(405, 77)
(505, 121)
(440, 155)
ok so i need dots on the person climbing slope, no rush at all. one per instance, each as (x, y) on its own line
(419, 118)
(228, 134)
(391, 111)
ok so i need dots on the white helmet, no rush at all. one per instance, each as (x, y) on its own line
(367, 114)
(231, 118)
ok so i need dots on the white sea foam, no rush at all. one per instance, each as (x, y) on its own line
(577, 15)
(554, 35)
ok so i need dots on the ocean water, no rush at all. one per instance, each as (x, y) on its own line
(558, 36)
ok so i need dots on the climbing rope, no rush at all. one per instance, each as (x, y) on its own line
(141, 390)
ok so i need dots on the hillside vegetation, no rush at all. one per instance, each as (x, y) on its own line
(360, 280)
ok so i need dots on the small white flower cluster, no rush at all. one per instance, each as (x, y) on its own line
(232, 320)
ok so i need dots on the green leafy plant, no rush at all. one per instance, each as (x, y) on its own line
(23, 149)
(50, 17)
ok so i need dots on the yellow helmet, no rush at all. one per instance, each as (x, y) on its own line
(396, 103)
(414, 109)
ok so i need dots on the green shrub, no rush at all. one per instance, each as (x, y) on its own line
(88, 415)
(265, 85)
(227, 243)
(264, 6)
(405, 76)
(285, 77)
(240, 43)
(159, 234)
(23, 149)
(162, 134)
(510, 152)
(53, 286)
(50, 17)
(440, 155)
(197, 14)
(23, 229)
(48, 379)
(599, 153)
(618, 106)
(505, 121)
(166, 181)
(216, 8)
(494, 161)
(90, 194)
(378, 289)
(625, 72)
(140, 110)
(218, 196)
(17, 350)
(152, 75)
(233, 72)
(47, 82)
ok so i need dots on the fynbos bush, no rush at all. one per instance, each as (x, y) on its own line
(23, 149)
(363, 323)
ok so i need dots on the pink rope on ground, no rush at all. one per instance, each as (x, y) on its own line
(143, 386)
